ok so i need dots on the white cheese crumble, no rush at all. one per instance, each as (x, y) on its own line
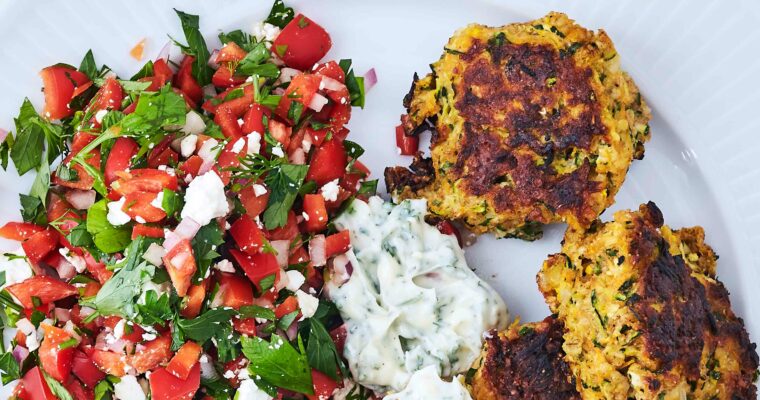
(411, 281)
(259, 190)
(115, 215)
(16, 268)
(330, 190)
(277, 151)
(225, 266)
(254, 143)
(187, 145)
(158, 202)
(295, 280)
(425, 384)
(100, 115)
(118, 329)
(307, 303)
(209, 149)
(205, 199)
(249, 391)
(128, 389)
(194, 124)
(265, 31)
(237, 147)
(74, 259)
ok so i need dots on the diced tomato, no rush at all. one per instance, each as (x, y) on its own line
(86, 370)
(328, 162)
(162, 74)
(337, 243)
(231, 52)
(253, 121)
(302, 89)
(234, 290)
(77, 391)
(247, 235)
(47, 289)
(331, 69)
(235, 366)
(224, 77)
(185, 81)
(339, 115)
(192, 303)
(407, 145)
(120, 158)
(35, 387)
(228, 123)
(338, 336)
(245, 326)
(138, 205)
(81, 89)
(58, 208)
(447, 228)
(83, 180)
(257, 267)
(109, 96)
(165, 386)
(155, 353)
(97, 269)
(162, 154)
(317, 136)
(185, 359)
(147, 231)
(191, 166)
(314, 207)
(59, 83)
(109, 362)
(145, 180)
(286, 307)
(324, 386)
(180, 264)
(132, 332)
(77, 317)
(300, 255)
(19, 231)
(89, 289)
(55, 361)
(254, 205)
(280, 132)
(302, 43)
(287, 232)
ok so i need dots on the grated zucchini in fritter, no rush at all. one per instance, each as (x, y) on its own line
(525, 362)
(532, 123)
(645, 316)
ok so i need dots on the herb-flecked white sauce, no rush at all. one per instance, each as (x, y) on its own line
(425, 384)
(411, 301)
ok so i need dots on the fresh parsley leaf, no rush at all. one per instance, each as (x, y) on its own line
(287, 320)
(88, 66)
(103, 390)
(112, 117)
(267, 282)
(254, 311)
(254, 63)
(79, 236)
(354, 84)
(65, 173)
(204, 246)
(283, 181)
(58, 390)
(196, 47)
(295, 111)
(321, 351)
(153, 111)
(9, 368)
(368, 188)
(5, 150)
(242, 39)
(353, 149)
(206, 325)
(32, 210)
(280, 15)
(156, 310)
(28, 144)
(145, 71)
(128, 86)
(226, 340)
(278, 363)
(171, 202)
(41, 183)
(213, 130)
(108, 238)
(217, 388)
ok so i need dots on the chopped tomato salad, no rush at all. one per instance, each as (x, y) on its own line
(176, 238)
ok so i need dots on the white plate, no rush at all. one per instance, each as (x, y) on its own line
(695, 62)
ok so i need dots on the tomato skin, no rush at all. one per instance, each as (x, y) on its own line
(338, 336)
(245, 326)
(135, 336)
(56, 362)
(287, 232)
(138, 205)
(155, 353)
(19, 231)
(253, 121)
(59, 83)
(35, 387)
(337, 243)
(110, 95)
(162, 154)
(224, 78)
(86, 370)
(302, 89)
(184, 360)
(257, 267)
(109, 362)
(185, 82)
(231, 52)
(191, 166)
(145, 180)
(120, 158)
(407, 145)
(235, 290)
(165, 386)
(147, 231)
(254, 205)
(247, 235)
(314, 207)
(286, 307)
(180, 264)
(324, 386)
(162, 74)
(331, 69)
(78, 391)
(193, 302)
(328, 162)
(46, 288)
(306, 43)
(97, 269)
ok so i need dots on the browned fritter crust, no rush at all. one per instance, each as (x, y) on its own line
(531, 123)
(646, 317)
(524, 362)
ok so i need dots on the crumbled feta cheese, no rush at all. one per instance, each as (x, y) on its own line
(307, 303)
(17, 269)
(74, 259)
(100, 115)
(295, 280)
(238, 146)
(118, 329)
(249, 391)
(330, 190)
(209, 149)
(265, 31)
(225, 266)
(205, 199)
(158, 202)
(254, 143)
(259, 190)
(140, 220)
(187, 145)
(305, 216)
(229, 374)
(128, 389)
(193, 124)
(115, 215)
(277, 151)
(147, 336)
(306, 144)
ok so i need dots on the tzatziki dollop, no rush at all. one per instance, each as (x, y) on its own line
(411, 301)
(425, 384)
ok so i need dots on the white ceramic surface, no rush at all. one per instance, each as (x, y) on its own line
(695, 61)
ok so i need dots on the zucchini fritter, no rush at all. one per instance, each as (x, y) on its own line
(644, 315)
(532, 123)
(525, 362)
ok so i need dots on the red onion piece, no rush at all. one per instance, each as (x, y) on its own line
(20, 353)
(3, 134)
(206, 166)
(279, 91)
(287, 74)
(165, 52)
(154, 254)
(209, 90)
(62, 314)
(80, 199)
(317, 251)
(331, 84)
(292, 331)
(281, 247)
(341, 269)
(66, 270)
(187, 228)
(170, 240)
(298, 157)
(212, 59)
(370, 79)
(317, 102)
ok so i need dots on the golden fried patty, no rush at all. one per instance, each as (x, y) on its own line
(532, 123)
(644, 315)
(524, 362)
